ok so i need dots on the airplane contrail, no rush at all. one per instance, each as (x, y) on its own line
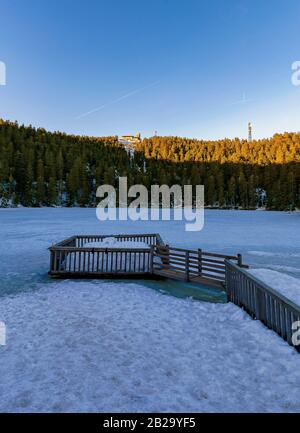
(242, 101)
(127, 95)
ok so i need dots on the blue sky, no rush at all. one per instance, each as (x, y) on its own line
(191, 68)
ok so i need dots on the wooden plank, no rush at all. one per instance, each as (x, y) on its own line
(174, 261)
(200, 262)
(217, 262)
(208, 267)
(171, 255)
(223, 256)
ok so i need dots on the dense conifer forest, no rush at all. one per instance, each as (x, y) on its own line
(40, 168)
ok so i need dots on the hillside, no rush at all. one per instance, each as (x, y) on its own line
(40, 168)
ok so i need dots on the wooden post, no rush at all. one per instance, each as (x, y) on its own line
(74, 268)
(227, 280)
(151, 258)
(200, 261)
(51, 261)
(79, 262)
(187, 276)
(240, 260)
(258, 304)
(168, 255)
(58, 261)
(164, 250)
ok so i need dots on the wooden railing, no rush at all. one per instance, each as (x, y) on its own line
(192, 265)
(261, 301)
(71, 258)
(148, 238)
(92, 261)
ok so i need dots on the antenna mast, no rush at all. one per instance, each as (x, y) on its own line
(250, 132)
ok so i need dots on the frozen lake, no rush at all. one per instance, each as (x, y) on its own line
(124, 347)
(266, 239)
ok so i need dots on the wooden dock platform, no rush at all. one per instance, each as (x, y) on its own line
(75, 257)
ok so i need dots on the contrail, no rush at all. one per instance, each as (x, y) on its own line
(127, 95)
(241, 101)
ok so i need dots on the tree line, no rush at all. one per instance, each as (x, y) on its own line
(41, 168)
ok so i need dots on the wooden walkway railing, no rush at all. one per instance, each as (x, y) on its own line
(90, 262)
(197, 266)
(261, 301)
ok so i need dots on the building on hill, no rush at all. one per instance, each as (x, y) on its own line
(129, 142)
(131, 138)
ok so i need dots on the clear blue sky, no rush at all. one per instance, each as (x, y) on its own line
(190, 68)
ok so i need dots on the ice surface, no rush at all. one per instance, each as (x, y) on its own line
(27, 233)
(99, 346)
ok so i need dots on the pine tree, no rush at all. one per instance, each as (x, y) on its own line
(38, 167)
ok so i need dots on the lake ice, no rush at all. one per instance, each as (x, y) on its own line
(266, 239)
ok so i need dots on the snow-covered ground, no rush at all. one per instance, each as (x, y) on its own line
(115, 346)
(89, 346)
